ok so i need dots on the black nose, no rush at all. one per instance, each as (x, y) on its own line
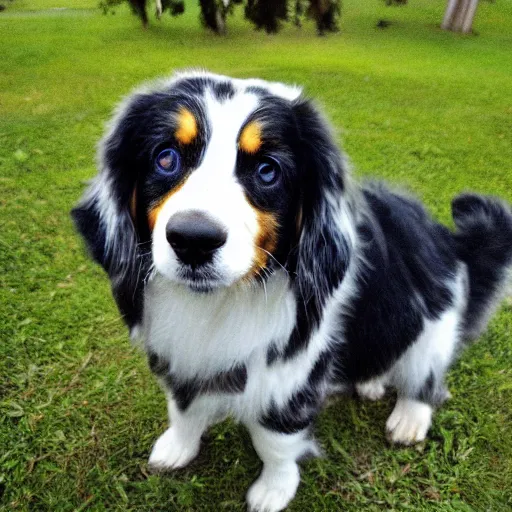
(194, 237)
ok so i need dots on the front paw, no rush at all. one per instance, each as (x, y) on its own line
(172, 451)
(409, 422)
(274, 489)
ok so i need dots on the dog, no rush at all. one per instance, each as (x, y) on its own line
(263, 279)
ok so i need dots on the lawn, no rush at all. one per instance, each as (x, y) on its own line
(79, 410)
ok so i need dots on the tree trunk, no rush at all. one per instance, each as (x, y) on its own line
(213, 16)
(325, 13)
(470, 14)
(459, 15)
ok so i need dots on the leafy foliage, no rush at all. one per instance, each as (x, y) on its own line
(267, 15)
(175, 7)
(326, 14)
(108, 6)
(214, 12)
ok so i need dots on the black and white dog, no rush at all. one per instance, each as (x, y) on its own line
(261, 279)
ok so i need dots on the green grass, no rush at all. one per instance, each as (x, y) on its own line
(38, 5)
(78, 408)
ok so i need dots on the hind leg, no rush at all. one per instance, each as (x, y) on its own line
(418, 377)
(373, 389)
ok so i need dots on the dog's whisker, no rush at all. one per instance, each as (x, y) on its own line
(272, 257)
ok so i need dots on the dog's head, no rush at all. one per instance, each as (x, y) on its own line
(214, 182)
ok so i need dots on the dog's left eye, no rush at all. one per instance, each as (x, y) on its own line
(168, 161)
(268, 171)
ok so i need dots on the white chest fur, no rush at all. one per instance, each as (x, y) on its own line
(203, 334)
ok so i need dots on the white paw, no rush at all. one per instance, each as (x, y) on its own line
(371, 389)
(409, 422)
(171, 451)
(274, 489)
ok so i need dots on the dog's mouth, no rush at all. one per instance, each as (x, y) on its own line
(200, 279)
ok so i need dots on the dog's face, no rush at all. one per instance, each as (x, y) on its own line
(219, 182)
(212, 182)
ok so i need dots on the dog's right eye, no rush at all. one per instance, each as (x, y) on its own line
(168, 161)
(268, 171)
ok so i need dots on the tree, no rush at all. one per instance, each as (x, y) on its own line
(268, 15)
(459, 15)
(175, 7)
(326, 14)
(214, 13)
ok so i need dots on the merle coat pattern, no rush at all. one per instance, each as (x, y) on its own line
(262, 279)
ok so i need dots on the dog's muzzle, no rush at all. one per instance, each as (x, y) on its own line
(194, 237)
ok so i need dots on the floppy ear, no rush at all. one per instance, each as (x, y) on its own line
(105, 216)
(326, 221)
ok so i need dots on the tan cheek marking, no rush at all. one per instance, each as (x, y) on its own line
(187, 127)
(133, 204)
(265, 241)
(157, 208)
(250, 138)
(299, 222)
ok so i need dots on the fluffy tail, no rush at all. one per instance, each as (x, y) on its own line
(484, 244)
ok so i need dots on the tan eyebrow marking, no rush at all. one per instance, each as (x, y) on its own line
(187, 126)
(250, 138)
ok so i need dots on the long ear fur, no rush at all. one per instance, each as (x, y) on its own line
(104, 215)
(327, 222)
